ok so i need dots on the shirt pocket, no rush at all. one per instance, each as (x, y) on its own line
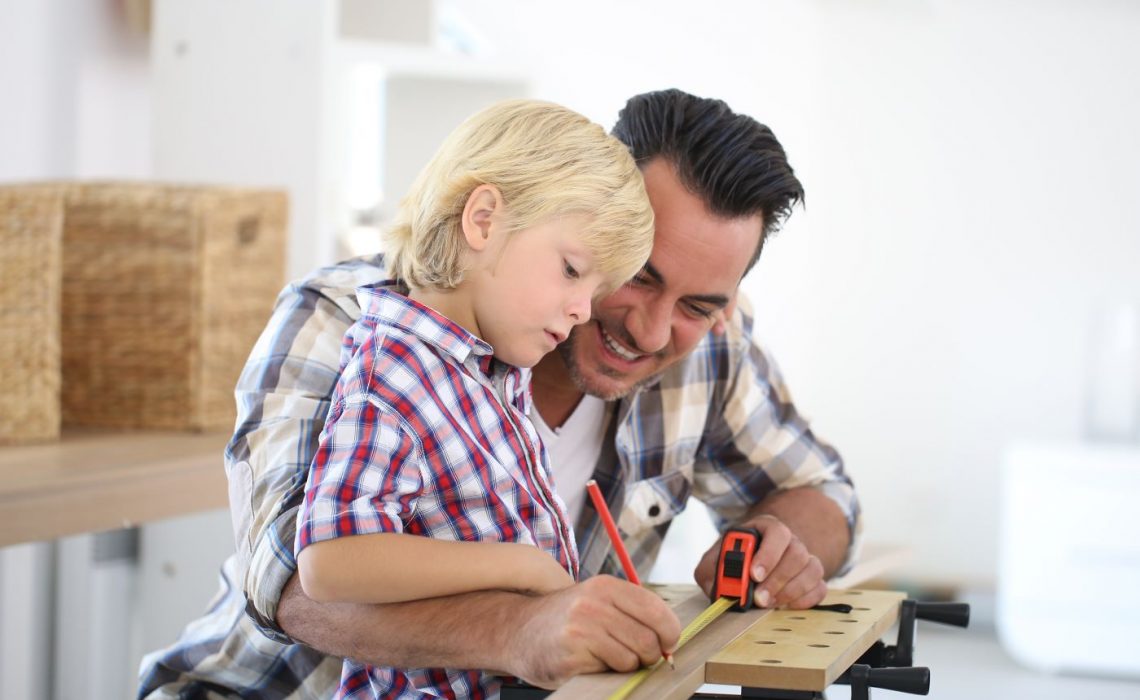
(653, 502)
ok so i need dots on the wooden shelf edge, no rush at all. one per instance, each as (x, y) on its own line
(96, 482)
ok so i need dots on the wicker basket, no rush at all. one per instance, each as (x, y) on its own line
(165, 291)
(30, 230)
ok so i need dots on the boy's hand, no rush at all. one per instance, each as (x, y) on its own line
(539, 572)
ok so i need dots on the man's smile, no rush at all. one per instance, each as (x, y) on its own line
(617, 348)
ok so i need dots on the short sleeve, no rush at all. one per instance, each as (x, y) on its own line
(366, 476)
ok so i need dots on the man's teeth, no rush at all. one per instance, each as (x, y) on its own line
(617, 349)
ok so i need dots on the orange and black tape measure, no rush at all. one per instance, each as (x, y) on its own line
(733, 566)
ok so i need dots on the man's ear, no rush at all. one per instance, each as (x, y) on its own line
(722, 317)
(479, 217)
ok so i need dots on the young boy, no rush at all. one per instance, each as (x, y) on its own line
(429, 479)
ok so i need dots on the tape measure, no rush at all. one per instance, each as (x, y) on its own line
(732, 589)
(734, 564)
(712, 612)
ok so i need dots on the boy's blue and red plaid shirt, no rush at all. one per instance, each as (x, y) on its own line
(427, 434)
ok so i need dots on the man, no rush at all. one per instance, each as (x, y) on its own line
(662, 395)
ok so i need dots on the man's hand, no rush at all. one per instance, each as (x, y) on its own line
(599, 624)
(602, 623)
(785, 572)
(537, 572)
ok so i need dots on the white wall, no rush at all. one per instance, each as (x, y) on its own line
(971, 170)
(34, 77)
(972, 200)
(76, 96)
(256, 122)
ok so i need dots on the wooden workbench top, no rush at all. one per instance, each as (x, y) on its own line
(776, 649)
(89, 482)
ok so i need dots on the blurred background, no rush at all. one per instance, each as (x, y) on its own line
(957, 308)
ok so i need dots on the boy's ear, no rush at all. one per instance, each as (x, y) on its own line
(484, 202)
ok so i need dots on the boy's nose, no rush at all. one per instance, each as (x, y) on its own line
(579, 310)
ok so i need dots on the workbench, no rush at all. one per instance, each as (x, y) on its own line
(90, 482)
(792, 654)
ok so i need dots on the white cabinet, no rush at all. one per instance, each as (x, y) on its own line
(1069, 561)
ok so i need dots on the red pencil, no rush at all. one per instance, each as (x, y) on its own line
(619, 546)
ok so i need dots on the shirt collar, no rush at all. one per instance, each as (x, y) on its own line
(383, 303)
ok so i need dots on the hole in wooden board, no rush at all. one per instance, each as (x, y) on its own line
(771, 661)
(820, 646)
(797, 617)
(781, 629)
(848, 620)
(764, 641)
(834, 632)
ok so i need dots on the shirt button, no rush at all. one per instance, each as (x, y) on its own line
(654, 510)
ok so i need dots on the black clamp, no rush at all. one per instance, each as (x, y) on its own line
(901, 653)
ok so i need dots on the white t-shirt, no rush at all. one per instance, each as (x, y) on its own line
(574, 449)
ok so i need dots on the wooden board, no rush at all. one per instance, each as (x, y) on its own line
(665, 683)
(875, 560)
(805, 649)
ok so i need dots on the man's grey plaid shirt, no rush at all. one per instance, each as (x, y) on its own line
(719, 425)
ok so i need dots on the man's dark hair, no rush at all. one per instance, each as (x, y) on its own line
(731, 161)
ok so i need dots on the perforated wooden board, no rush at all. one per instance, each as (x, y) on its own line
(805, 649)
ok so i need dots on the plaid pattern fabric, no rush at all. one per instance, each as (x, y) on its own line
(719, 425)
(428, 435)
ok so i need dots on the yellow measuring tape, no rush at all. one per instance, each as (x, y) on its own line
(699, 622)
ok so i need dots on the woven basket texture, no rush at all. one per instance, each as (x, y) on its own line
(165, 291)
(31, 219)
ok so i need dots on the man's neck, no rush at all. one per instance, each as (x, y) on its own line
(555, 396)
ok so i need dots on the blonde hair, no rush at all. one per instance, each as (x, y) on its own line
(546, 161)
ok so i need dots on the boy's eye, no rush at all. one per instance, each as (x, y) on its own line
(569, 271)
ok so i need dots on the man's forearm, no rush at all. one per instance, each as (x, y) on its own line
(815, 519)
(603, 622)
(415, 634)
